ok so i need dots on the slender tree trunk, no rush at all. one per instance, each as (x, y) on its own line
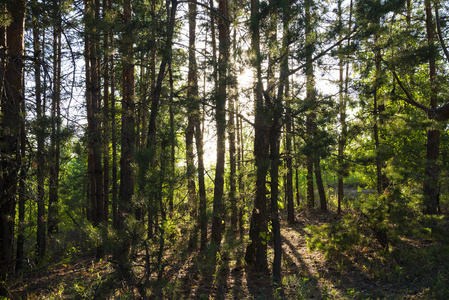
(192, 98)
(127, 143)
(342, 136)
(310, 95)
(22, 192)
(232, 160)
(296, 166)
(256, 251)
(40, 136)
(53, 194)
(113, 138)
(220, 116)
(11, 81)
(172, 148)
(288, 123)
(377, 61)
(201, 182)
(343, 92)
(275, 161)
(432, 170)
(151, 137)
(233, 98)
(240, 157)
(106, 118)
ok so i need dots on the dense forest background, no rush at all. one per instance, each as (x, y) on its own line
(224, 149)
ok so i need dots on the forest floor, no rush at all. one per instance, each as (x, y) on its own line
(414, 269)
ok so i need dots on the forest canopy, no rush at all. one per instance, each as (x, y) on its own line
(136, 132)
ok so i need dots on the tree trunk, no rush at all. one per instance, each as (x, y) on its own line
(256, 251)
(319, 183)
(106, 120)
(240, 170)
(232, 160)
(288, 122)
(127, 144)
(172, 149)
(22, 192)
(310, 95)
(113, 138)
(11, 81)
(151, 137)
(274, 172)
(220, 116)
(40, 137)
(377, 61)
(432, 170)
(53, 194)
(192, 98)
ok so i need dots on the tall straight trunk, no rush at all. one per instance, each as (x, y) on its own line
(220, 117)
(53, 194)
(127, 143)
(274, 173)
(90, 165)
(11, 81)
(231, 138)
(40, 136)
(377, 61)
(172, 148)
(96, 108)
(310, 96)
(192, 98)
(274, 137)
(128, 122)
(256, 251)
(202, 220)
(232, 164)
(113, 138)
(22, 192)
(201, 185)
(343, 94)
(106, 120)
(240, 157)
(152, 124)
(432, 170)
(298, 202)
(288, 123)
(342, 118)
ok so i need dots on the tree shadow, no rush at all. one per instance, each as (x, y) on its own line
(344, 273)
(306, 282)
(259, 285)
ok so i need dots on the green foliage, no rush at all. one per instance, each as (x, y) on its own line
(334, 238)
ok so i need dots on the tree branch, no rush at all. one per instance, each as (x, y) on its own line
(207, 7)
(440, 35)
(409, 98)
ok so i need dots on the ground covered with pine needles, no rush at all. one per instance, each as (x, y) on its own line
(409, 268)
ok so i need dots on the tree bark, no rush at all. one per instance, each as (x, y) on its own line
(106, 120)
(192, 98)
(156, 94)
(432, 170)
(22, 192)
(220, 116)
(256, 251)
(319, 183)
(126, 191)
(310, 95)
(11, 81)
(40, 137)
(53, 194)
